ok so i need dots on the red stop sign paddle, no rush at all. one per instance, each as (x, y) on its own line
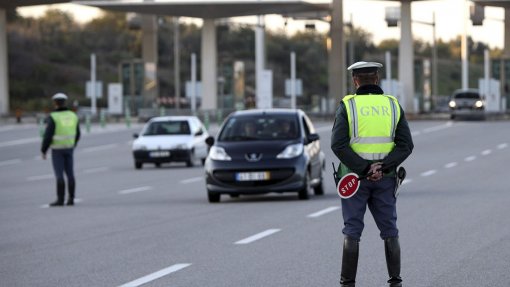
(348, 185)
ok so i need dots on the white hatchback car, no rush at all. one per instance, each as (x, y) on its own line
(171, 139)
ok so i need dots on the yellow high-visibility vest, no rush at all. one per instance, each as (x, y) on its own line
(372, 123)
(66, 123)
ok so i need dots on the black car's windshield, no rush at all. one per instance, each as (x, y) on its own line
(467, 95)
(260, 127)
(167, 128)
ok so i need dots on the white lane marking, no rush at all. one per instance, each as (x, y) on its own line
(190, 180)
(322, 212)
(20, 141)
(470, 158)
(156, 275)
(39, 177)
(450, 165)
(76, 200)
(99, 148)
(502, 146)
(486, 152)
(407, 180)
(136, 189)
(428, 172)
(96, 169)
(10, 162)
(257, 236)
(437, 128)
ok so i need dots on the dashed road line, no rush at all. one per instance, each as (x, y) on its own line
(407, 180)
(76, 200)
(10, 162)
(450, 164)
(428, 173)
(96, 169)
(156, 275)
(134, 190)
(191, 180)
(257, 236)
(20, 141)
(40, 177)
(322, 212)
(502, 146)
(99, 148)
(470, 158)
(486, 152)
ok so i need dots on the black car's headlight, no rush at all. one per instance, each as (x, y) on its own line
(479, 104)
(291, 151)
(219, 153)
(452, 104)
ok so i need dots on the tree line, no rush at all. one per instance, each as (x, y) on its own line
(52, 54)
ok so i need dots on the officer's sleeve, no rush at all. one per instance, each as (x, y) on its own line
(340, 143)
(78, 134)
(48, 135)
(403, 144)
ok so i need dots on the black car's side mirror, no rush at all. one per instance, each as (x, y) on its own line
(209, 141)
(313, 137)
(135, 136)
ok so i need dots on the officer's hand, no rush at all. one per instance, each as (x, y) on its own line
(43, 156)
(376, 171)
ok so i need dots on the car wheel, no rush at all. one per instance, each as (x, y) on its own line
(304, 193)
(319, 189)
(138, 165)
(191, 161)
(158, 165)
(213, 197)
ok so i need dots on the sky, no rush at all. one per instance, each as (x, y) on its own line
(367, 14)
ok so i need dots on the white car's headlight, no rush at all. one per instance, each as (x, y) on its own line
(452, 104)
(291, 151)
(479, 104)
(218, 153)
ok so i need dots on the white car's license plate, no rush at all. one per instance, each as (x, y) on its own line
(159, 154)
(253, 176)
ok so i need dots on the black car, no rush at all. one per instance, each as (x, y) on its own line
(466, 103)
(264, 151)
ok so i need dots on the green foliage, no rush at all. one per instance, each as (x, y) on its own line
(52, 54)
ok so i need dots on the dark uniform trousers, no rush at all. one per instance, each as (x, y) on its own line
(62, 160)
(378, 196)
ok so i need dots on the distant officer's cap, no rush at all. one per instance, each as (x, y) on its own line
(364, 67)
(59, 96)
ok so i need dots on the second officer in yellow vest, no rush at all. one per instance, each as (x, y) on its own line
(370, 136)
(61, 135)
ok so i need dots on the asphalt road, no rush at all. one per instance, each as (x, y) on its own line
(155, 226)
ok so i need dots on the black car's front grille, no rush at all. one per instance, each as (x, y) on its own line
(275, 176)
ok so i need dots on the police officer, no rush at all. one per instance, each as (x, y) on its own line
(370, 136)
(62, 134)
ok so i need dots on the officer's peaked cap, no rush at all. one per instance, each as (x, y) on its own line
(364, 67)
(59, 96)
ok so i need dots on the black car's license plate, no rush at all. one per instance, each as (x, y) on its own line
(253, 176)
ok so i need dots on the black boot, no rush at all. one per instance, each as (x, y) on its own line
(349, 262)
(71, 188)
(392, 251)
(61, 189)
